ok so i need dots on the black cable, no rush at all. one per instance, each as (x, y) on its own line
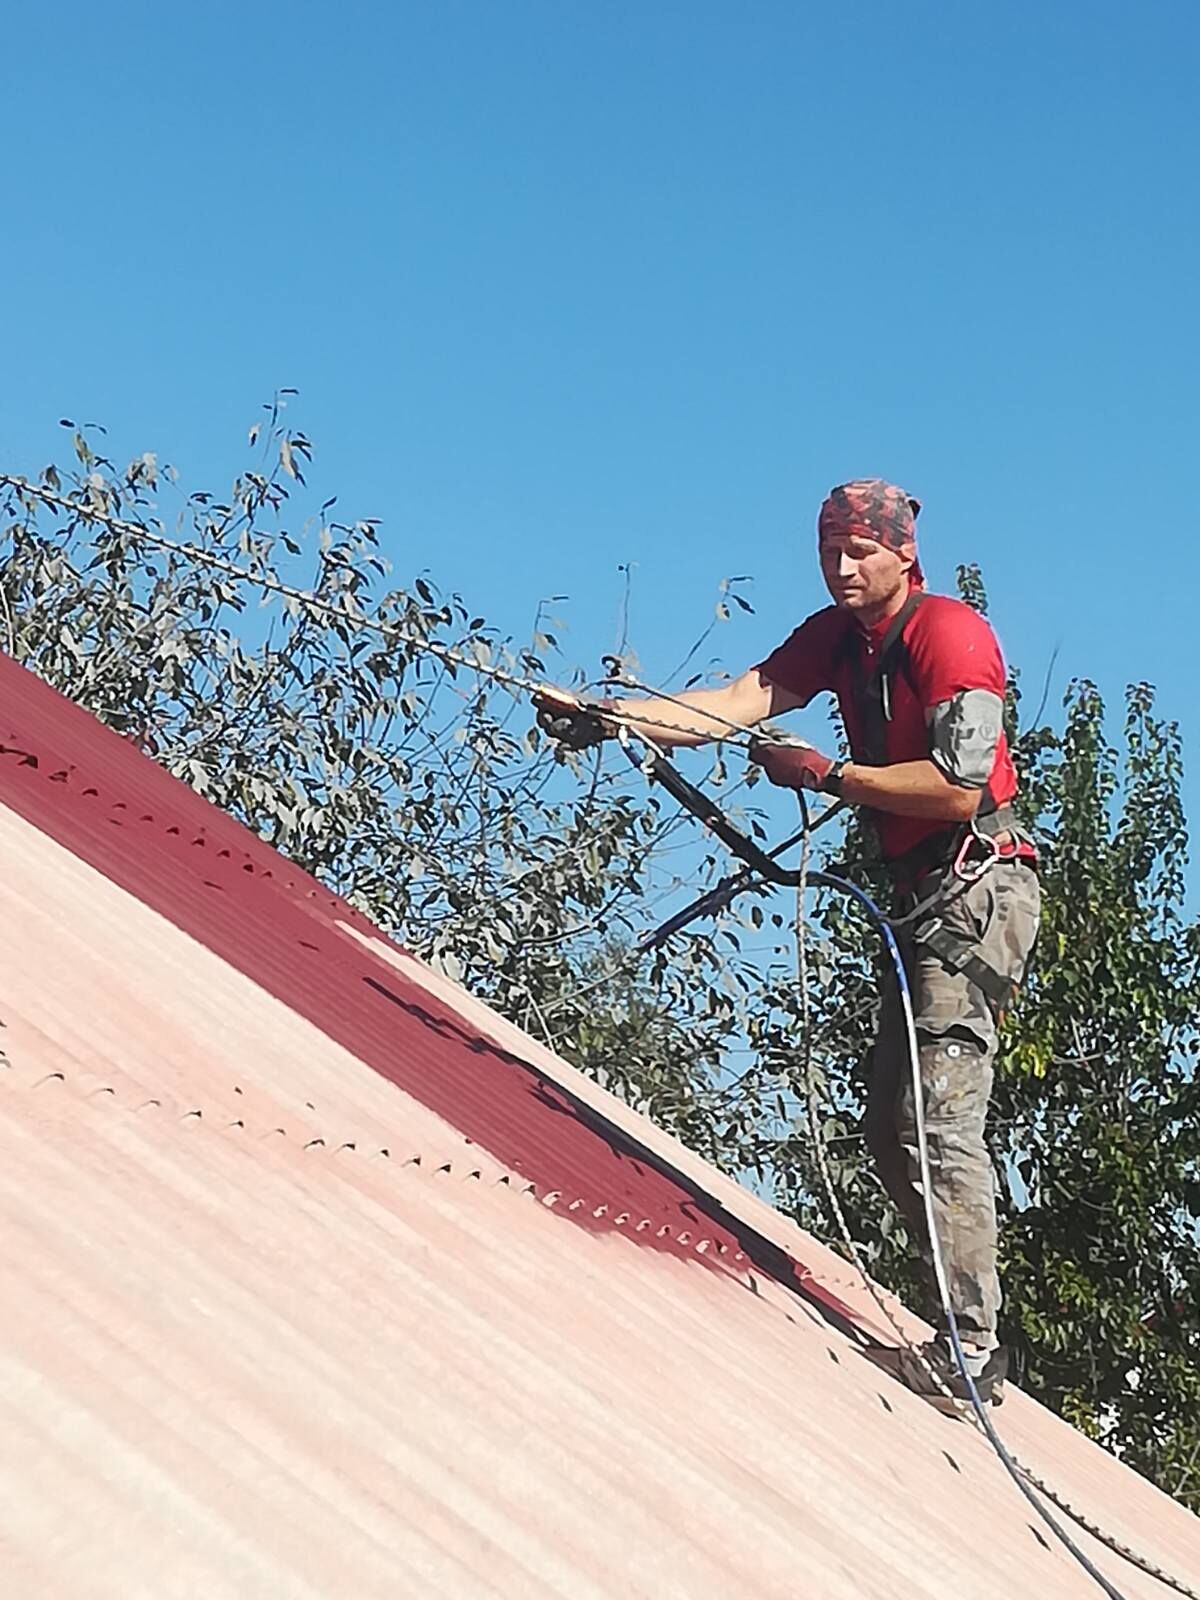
(762, 864)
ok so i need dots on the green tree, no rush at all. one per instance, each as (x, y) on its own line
(1098, 1114)
(363, 731)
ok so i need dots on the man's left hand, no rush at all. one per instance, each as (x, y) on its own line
(792, 766)
(568, 722)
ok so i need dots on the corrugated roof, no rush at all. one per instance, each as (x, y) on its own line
(320, 1279)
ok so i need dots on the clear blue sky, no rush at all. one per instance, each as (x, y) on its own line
(569, 285)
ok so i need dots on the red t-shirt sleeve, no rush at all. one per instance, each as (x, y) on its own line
(952, 648)
(803, 663)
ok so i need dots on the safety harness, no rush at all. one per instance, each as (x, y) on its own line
(872, 697)
(951, 858)
(873, 691)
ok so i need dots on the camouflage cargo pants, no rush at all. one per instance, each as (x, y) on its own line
(994, 919)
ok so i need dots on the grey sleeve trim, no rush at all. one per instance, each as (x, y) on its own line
(964, 734)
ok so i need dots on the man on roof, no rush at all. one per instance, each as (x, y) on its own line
(919, 680)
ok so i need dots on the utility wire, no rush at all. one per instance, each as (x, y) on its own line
(82, 511)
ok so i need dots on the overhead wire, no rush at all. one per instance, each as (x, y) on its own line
(738, 734)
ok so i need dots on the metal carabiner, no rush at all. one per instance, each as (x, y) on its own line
(966, 871)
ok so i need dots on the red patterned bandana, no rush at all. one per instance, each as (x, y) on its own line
(877, 509)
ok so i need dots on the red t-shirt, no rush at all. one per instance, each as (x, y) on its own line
(950, 648)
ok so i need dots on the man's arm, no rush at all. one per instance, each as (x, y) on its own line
(909, 789)
(906, 788)
(703, 715)
(746, 701)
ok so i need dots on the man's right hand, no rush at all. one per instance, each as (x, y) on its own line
(562, 718)
(793, 763)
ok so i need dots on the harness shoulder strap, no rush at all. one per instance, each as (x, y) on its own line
(898, 624)
(873, 692)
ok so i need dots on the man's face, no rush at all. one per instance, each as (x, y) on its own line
(859, 572)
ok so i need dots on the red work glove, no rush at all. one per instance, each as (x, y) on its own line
(792, 766)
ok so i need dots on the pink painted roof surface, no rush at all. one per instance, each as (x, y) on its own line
(319, 1279)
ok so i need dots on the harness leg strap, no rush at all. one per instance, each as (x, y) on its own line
(960, 956)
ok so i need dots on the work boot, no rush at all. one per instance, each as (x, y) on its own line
(988, 1369)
